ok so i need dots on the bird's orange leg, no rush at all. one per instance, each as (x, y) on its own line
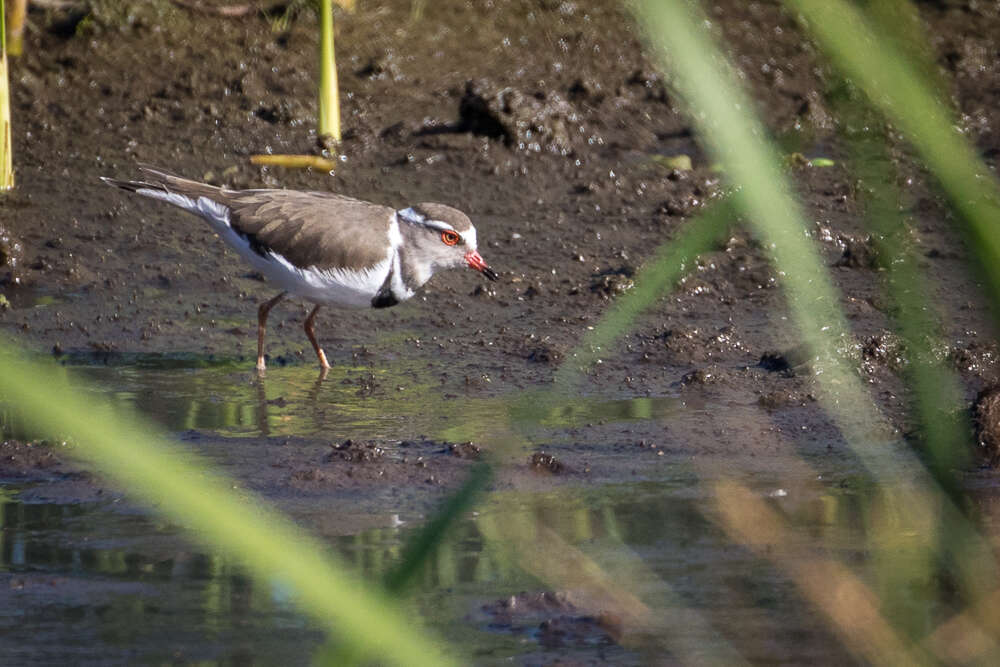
(308, 326)
(262, 312)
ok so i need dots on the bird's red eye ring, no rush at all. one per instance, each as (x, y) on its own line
(450, 238)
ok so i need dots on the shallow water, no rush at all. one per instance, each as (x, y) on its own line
(353, 402)
(102, 582)
(90, 583)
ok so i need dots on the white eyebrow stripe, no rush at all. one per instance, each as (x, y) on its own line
(416, 218)
(439, 225)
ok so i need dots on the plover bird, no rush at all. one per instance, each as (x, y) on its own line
(325, 248)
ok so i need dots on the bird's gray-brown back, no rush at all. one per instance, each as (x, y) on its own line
(309, 229)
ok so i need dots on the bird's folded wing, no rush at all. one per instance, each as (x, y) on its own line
(311, 229)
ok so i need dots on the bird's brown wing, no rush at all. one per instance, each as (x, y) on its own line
(313, 228)
(309, 229)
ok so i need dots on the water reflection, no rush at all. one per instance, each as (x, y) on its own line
(353, 402)
(133, 586)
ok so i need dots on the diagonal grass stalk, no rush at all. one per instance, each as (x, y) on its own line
(671, 261)
(874, 57)
(432, 535)
(935, 393)
(737, 140)
(873, 62)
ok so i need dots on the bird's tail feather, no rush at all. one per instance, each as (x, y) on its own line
(133, 186)
(198, 198)
(161, 182)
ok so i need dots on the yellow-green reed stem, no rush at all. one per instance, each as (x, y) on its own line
(6, 151)
(935, 393)
(737, 139)
(735, 136)
(328, 125)
(271, 547)
(867, 52)
(894, 87)
(18, 12)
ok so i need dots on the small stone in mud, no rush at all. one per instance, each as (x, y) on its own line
(483, 292)
(41, 264)
(986, 416)
(543, 353)
(613, 281)
(465, 450)
(859, 253)
(11, 258)
(774, 362)
(783, 362)
(310, 475)
(778, 399)
(532, 292)
(884, 349)
(680, 206)
(546, 463)
(355, 452)
(700, 376)
(585, 90)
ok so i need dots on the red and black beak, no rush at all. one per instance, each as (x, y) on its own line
(477, 262)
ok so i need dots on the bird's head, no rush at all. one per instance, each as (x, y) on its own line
(440, 237)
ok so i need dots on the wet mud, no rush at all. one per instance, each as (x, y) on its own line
(548, 125)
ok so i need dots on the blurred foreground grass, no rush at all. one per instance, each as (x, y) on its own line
(929, 506)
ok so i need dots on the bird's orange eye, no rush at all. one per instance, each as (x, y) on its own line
(450, 238)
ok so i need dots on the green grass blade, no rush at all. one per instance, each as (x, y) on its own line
(934, 392)
(433, 533)
(736, 138)
(270, 546)
(671, 261)
(877, 67)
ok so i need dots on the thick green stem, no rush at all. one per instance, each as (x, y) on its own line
(328, 124)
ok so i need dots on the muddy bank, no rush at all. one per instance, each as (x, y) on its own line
(543, 134)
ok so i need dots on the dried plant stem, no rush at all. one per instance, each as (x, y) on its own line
(294, 161)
